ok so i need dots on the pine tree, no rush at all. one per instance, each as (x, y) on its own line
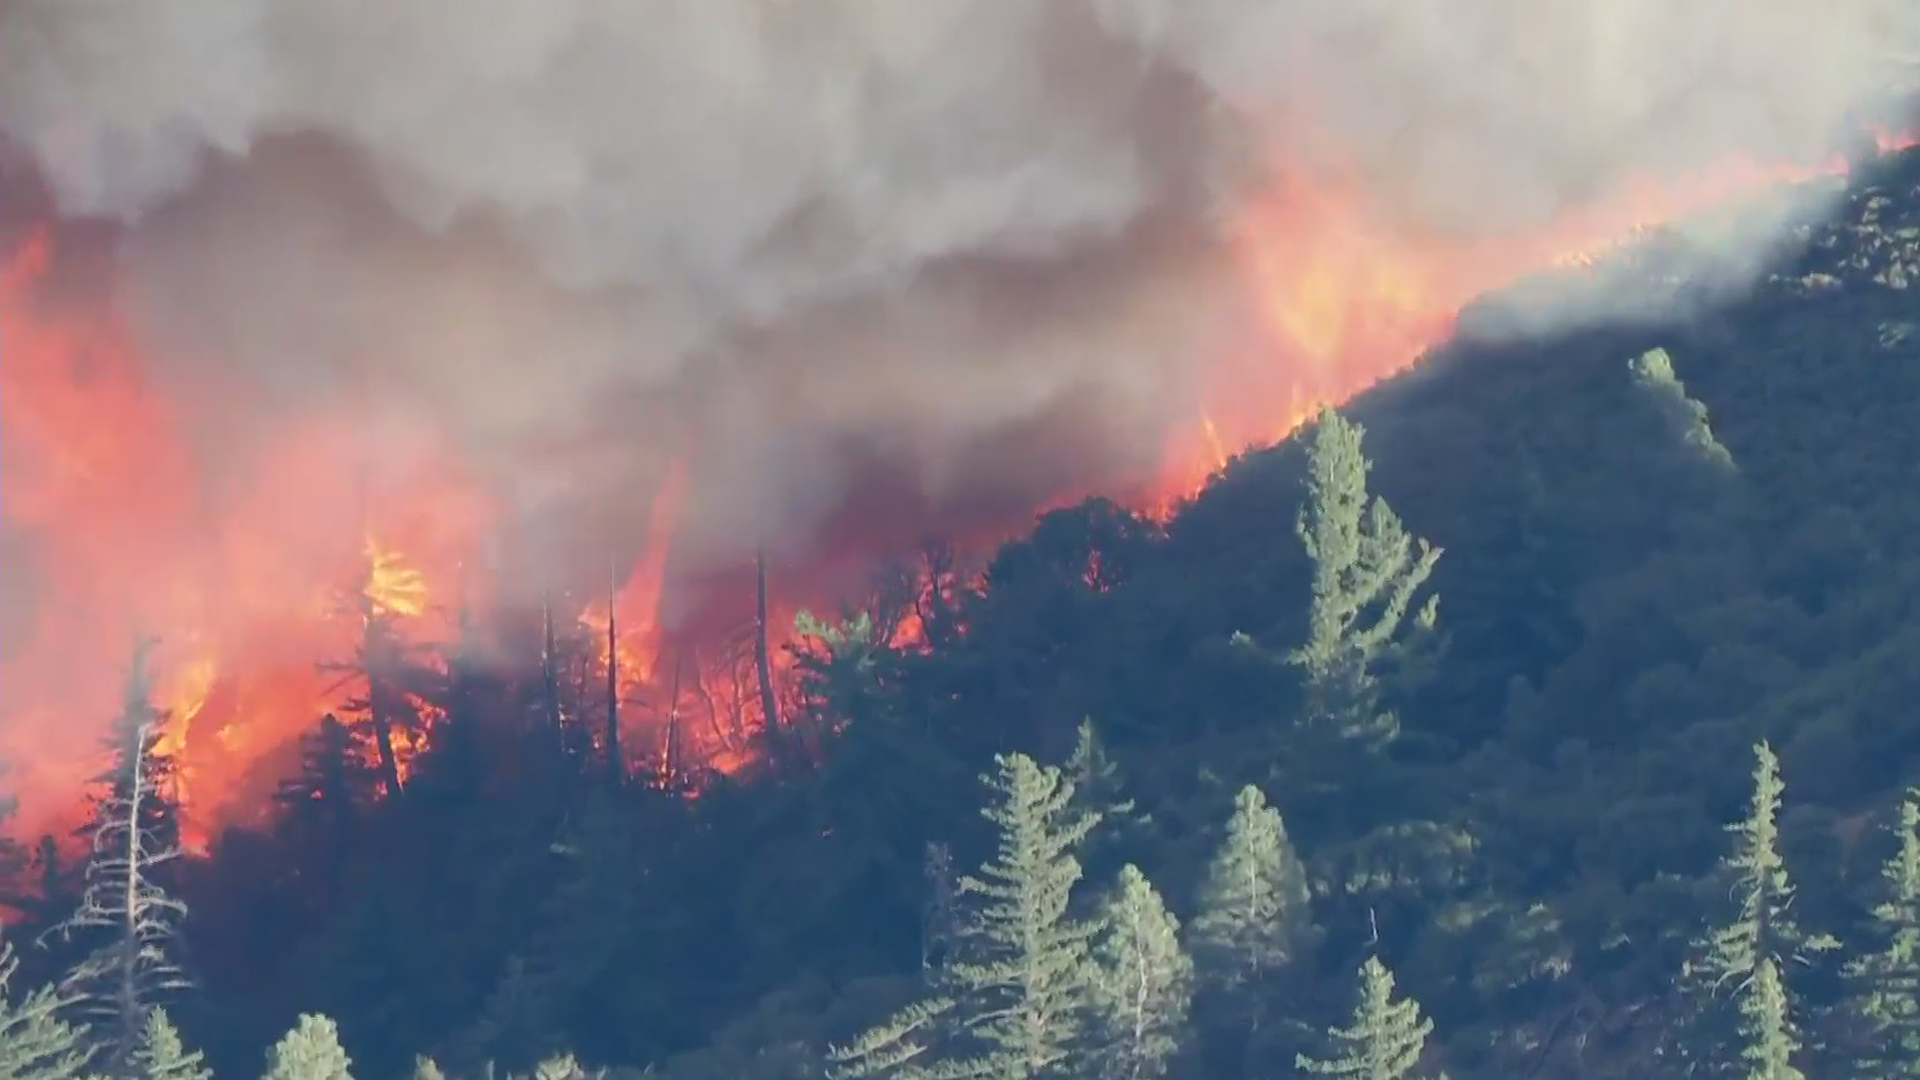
(591, 900)
(1771, 1036)
(36, 1042)
(1742, 962)
(1254, 904)
(1385, 1038)
(321, 805)
(1366, 573)
(125, 908)
(1023, 967)
(161, 1055)
(1099, 788)
(1145, 982)
(1684, 416)
(311, 1051)
(898, 1047)
(1886, 980)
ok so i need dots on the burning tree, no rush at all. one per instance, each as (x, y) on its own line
(391, 713)
(126, 915)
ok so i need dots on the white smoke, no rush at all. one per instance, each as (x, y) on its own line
(810, 232)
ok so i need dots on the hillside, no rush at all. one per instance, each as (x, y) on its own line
(1645, 571)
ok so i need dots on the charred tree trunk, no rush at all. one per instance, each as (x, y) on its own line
(549, 669)
(382, 707)
(383, 700)
(670, 754)
(763, 657)
(616, 768)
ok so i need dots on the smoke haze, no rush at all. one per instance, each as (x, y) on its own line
(816, 235)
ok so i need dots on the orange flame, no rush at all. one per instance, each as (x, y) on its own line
(241, 568)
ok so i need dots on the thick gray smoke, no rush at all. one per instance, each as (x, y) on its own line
(814, 235)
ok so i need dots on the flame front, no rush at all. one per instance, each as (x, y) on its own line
(240, 573)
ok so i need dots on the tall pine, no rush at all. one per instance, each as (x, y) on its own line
(1254, 915)
(1885, 980)
(1145, 984)
(1022, 971)
(1743, 1021)
(1383, 1041)
(1367, 572)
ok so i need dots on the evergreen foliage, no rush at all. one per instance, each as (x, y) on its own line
(1367, 572)
(1744, 959)
(1383, 1041)
(311, 1051)
(1254, 903)
(161, 1055)
(897, 1048)
(36, 1041)
(1687, 418)
(1886, 977)
(1144, 983)
(1023, 968)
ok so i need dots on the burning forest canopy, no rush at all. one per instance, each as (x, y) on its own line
(328, 333)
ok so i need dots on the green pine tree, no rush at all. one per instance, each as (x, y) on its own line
(161, 1055)
(1772, 1040)
(1743, 1019)
(1254, 904)
(1886, 980)
(1099, 788)
(36, 1042)
(1145, 983)
(1384, 1040)
(1686, 417)
(1367, 571)
(898, 1048)
(1022, 969)
(311, 1051)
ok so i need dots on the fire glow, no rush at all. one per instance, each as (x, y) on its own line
(248, 591)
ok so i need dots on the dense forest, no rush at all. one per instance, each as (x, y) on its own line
(1539, 714)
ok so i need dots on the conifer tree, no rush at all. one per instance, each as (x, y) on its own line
(1685, 416)
(1384, 1040)
(1023, 967)
(322, 803)
(898, 1048)
(592, 899)
(1099, 788)
(161, 1055)
(36, 1042)
(1254, 904)
(124, 907)
(1742, 963)
(1886, 979)
(1145, 982)
(311, 1051)
(1367, 571)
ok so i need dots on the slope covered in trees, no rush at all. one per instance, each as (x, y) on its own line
(1451, 699)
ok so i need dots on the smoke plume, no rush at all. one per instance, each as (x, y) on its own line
(819, 237)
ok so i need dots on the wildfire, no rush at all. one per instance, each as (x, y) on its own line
(240, 573)
(393, 587)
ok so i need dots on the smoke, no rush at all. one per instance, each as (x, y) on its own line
(811, 236)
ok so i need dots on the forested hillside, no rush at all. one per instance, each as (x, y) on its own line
(1454, 697)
